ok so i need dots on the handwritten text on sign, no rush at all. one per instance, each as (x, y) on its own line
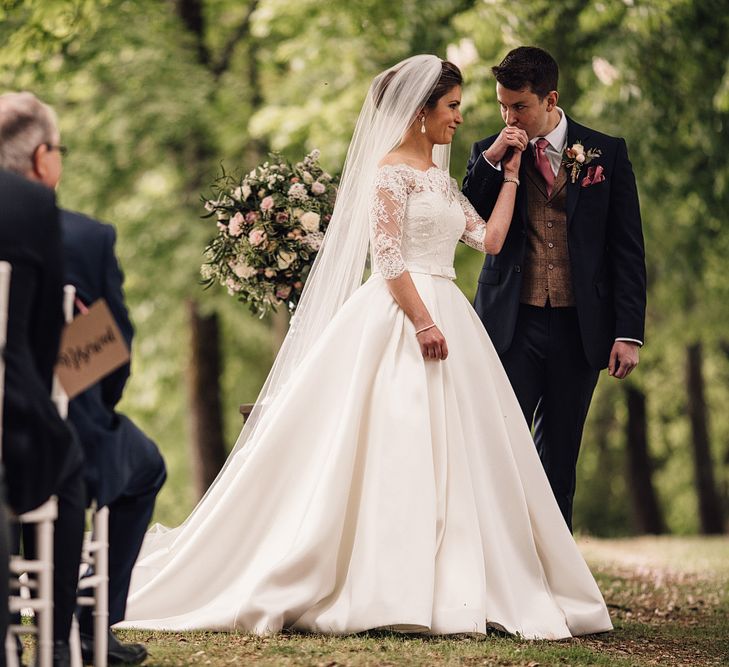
(91, 347)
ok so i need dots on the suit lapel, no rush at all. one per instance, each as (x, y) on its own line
(575, 132)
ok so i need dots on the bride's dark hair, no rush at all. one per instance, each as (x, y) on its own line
(450, 77)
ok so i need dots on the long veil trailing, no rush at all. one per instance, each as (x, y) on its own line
(392, 104)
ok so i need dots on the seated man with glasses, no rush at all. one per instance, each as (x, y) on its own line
(40, 455)
(123, 467)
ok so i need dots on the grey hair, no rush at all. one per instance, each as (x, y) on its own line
(25, 124)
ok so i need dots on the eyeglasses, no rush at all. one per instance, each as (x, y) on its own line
(63, 150)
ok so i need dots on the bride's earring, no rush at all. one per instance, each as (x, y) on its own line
(422, 124)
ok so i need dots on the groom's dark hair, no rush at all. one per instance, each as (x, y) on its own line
(528, 67)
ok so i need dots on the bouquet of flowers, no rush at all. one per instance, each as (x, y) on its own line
(270, 225)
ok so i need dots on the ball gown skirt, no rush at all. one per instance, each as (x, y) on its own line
(383, 491)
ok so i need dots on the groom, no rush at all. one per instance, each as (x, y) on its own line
(566, 295)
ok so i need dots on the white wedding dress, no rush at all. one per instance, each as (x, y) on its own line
(383, 490)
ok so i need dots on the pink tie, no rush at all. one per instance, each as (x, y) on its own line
(542, 162)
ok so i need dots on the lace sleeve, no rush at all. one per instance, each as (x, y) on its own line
(475, 232)
(387, 212)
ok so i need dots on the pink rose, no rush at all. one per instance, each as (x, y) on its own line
(257, 237)
(235, 228)
(282, 217)
(252, 216)
(270, 273)
(318, 188)
(267, 204)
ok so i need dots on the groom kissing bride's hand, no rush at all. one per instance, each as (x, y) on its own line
(510, 139)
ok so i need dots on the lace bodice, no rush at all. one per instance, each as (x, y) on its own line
(416, 220)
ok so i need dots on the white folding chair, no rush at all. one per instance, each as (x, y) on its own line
(95, 555)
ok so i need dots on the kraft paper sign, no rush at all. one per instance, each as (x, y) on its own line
(91, 347)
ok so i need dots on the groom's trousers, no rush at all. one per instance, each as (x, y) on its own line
(554, 384)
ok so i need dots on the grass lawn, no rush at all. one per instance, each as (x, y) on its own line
(668, 597)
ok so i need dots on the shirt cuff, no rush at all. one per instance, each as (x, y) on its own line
(496, 166)
(630, 340)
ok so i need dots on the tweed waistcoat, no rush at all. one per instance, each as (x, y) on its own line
(547, 273)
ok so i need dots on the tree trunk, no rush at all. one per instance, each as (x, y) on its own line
(647, 512)
(206, 418)
(279, 327)
(710, 510)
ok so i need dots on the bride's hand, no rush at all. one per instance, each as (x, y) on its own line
(433, 344)
(511, 163)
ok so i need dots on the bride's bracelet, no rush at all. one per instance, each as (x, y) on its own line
(509, 179)
(419, 331)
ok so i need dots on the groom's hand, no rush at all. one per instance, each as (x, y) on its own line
(509, 138)
(623, 359)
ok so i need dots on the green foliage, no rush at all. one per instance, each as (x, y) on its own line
(151, 102)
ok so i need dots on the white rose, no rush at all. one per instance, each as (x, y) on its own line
(310, 221)
(308, 178)
(578, 148)
(286, 259)
(243, 270)
(580, 157)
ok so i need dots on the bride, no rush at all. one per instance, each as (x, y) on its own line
(387, 477)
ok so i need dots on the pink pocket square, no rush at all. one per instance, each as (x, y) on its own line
(594, 176)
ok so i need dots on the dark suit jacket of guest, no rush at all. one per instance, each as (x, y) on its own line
(605, 240)
(92, 268)
(37, 445)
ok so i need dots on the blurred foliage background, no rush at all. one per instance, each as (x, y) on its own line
(153, 95)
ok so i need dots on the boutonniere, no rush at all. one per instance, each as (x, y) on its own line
(575, 156)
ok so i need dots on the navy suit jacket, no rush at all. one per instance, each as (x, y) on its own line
(92, 268)
(38, 448)
(605, 240)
